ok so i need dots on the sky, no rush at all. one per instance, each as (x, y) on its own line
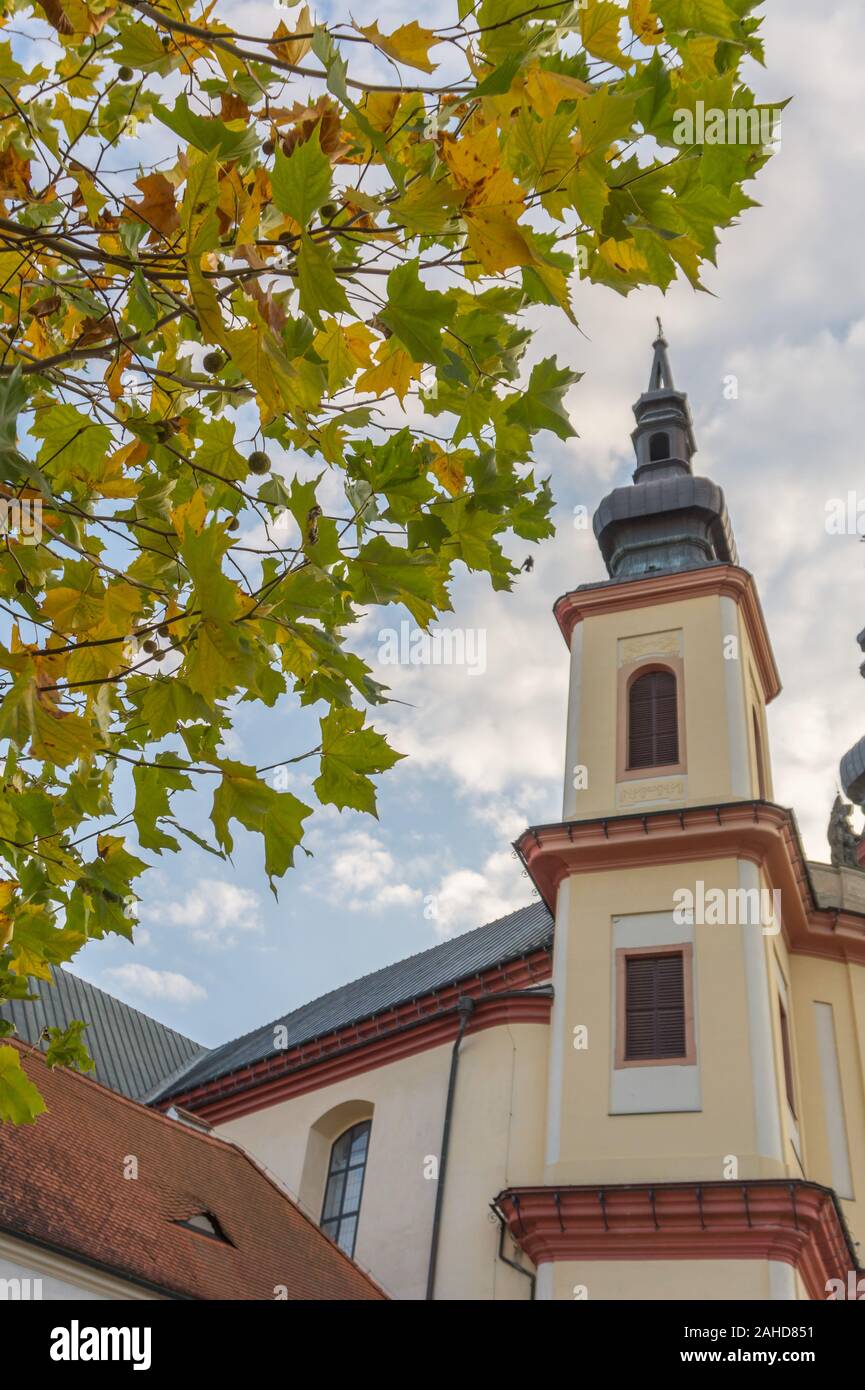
(215, 955)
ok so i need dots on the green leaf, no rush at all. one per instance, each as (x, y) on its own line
(301, 181)
(541, 405)
(20, 1102)
(71, 443)
(415, 314)
(320, 290)
(349, 754)
(207, 132)
(278, 816)
(140, 47)
(152, 804)
(710, 17)
(66, 1048)
(385, 573)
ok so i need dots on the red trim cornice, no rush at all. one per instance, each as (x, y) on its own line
(374, 1042)
(758, 831)
(728, 580)
(797, 1222)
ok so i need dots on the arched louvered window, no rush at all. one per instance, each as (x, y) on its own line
(659, 447)
(653, 720)
(344, 1189)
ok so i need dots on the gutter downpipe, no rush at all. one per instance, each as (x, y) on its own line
(465, 1009)
(521, 1269)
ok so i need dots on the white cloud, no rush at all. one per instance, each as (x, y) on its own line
(141, 981)
(213, 910)
(359, 872)
(467, 898)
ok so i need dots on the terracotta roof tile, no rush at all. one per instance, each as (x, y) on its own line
(63, 1185)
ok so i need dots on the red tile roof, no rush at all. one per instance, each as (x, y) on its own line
(62, 1185)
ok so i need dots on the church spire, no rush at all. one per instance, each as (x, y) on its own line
(664, 438)
(661, 374)
(668, 520)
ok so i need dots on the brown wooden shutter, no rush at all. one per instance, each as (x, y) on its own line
(653, 721)
(655, 1007)
(788, 1057)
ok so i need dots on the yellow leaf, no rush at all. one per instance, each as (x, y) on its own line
(408, 44)
(71, 611)
(122, 602)
(496, 240)
(474, 158)
(192, 514)
(449, 470)
(394, 371)
(647, 26)
(260, 357)
(286, 46)
(114, 374)
(94, 201)
(74, 17)
(206, 307)
(344, 350)
(546, 90)
(62, 739)
(623, 256)
(599, 28)
(698, 58)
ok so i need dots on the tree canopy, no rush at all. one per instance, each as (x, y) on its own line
(219, 249)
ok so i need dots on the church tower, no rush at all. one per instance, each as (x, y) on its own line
(675, 1161)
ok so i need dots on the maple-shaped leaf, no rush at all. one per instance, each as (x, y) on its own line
(350, 755)
(301, 181)
(290, 45)
(408, 44)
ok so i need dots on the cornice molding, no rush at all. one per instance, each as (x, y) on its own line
(797, 1222)
(757, 831)
(730, 581)
(505, 994)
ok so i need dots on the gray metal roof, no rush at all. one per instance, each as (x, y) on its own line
(133, 1053)
(460, 958)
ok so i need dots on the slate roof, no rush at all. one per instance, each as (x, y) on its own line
(133, 1053)
(509, 938)
(64, 1187)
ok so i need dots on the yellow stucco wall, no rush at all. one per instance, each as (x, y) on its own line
(598, 1146)
(843, 987)
(711, 682)
(660, 1280)
(497, 1140)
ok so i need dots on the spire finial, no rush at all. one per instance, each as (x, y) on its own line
(661, 376)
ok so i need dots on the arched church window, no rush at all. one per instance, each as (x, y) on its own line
(339, 1215)
(653, 720)
(659, 447)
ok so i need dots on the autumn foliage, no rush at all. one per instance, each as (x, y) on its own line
(220, 251)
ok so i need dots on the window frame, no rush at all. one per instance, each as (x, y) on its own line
(685, 949)
(343, 1214)
(628, 674)
(787, 1057)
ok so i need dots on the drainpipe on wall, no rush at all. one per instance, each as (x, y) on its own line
(521, 1269)
(465, 1009)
